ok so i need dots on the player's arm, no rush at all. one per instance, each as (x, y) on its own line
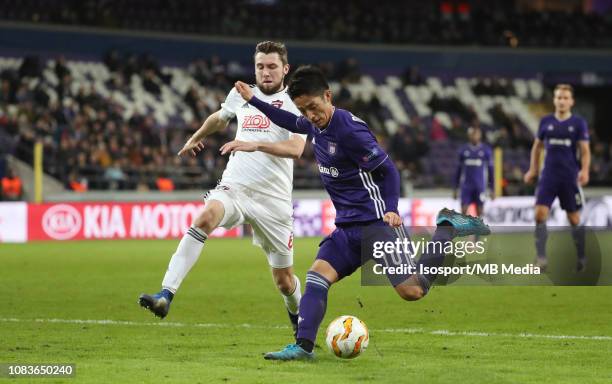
(585, 161)
(280, 117)
(362, 148)
(386, 176)
(292, 148)
(214, 123)
(536, 152)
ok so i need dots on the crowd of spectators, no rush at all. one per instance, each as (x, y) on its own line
(443, 22)
(90, 144)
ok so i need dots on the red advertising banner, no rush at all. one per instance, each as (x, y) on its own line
(83, 221)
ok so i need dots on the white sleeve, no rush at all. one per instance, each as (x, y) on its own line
(232, 102)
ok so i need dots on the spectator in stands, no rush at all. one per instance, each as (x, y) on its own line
(75, 184)
(12, 186)
(164, 183)
(457, 131)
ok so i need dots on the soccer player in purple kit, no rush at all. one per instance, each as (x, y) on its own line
(565, 137)
(363, 184)
(474, 172)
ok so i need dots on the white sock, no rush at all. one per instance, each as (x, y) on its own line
(186, 255)
(292, 301)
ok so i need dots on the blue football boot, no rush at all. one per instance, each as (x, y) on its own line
(159, 303)
(463, 225)
(290, 352)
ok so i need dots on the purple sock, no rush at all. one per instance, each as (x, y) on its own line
(312, 306)
(433, 255)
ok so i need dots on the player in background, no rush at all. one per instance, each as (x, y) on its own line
(363, 184)
(255, 187)
(474, 172)
(565, 137)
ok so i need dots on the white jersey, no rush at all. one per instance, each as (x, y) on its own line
(259, 171)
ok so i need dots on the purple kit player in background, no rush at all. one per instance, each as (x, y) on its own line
(474, 172)
(566, 169)
(363, 184)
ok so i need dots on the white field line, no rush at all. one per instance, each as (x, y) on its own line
(439, 332)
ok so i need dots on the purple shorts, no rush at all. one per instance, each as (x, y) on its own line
(472, 195)
(342, 249)
(568, 192)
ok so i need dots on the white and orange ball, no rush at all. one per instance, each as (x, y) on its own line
(347, 337)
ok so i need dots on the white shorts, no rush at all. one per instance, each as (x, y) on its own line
(270, 217)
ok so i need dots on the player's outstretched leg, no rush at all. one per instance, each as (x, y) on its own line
(290, 288)
(184, 258)
(186, 255)
(450, 224)
(312, 311)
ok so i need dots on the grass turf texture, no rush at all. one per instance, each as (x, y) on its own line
(231, 286)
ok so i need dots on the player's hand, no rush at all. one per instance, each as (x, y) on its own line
(192, 148)
(244, 90)
(529, 176)
(583, 178)
(237, 146)
(393, 219)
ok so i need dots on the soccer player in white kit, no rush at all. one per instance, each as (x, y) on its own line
(255, 187)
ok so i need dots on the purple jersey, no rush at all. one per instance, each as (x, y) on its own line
(561, 142)
(475, 168)
(347, 153)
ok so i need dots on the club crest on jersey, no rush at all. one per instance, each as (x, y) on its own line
(550, 127)
(331, 148)
(571, 128)
(277, 103)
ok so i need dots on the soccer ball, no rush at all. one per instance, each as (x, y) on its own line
(347, 337)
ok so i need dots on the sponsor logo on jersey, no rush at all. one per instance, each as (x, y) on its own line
(277, 103)
(473, 162)
(564, 142)
(571, 129)
(550, 127)
(256, 122)
(331, 171)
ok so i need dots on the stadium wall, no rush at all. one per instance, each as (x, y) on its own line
(90, 43)
(23, 222)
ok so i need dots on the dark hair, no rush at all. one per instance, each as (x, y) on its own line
(273, 47)
(307, 80)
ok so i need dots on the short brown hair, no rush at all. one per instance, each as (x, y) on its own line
(273, 47)
(564, 87)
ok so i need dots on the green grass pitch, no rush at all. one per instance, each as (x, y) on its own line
(227, 313)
